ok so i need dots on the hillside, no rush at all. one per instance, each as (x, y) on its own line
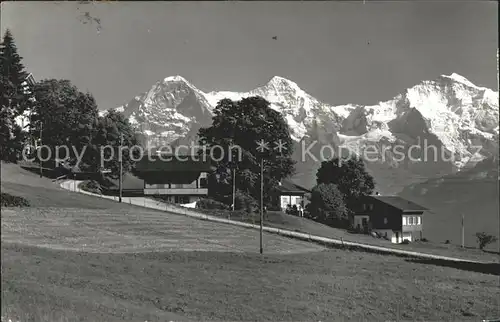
(473, 193)
(68, 259)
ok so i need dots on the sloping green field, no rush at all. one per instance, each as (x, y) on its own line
(73, 257)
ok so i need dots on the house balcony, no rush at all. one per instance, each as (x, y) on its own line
(411, 228)
(176, 191)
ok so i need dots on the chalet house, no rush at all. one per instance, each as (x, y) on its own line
(181, 179)
(292, 194)
(392, 217)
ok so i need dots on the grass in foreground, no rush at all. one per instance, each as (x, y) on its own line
(331, 285)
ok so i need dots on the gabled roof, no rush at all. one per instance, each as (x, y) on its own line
(186, 163)
(287, 186)
(130, 182)
(400, 203)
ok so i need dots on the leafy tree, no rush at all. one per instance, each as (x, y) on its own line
(109, 131)
(243, 123)
(68, 117)
(327, 203)
(349, 175)
(484, 239)
(64, 116)
(13, 100)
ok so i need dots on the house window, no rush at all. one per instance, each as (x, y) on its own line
(364, 207)
(410, 220)
(419, 220)
(370, 207)
(385, 220)
(405, 221)
(297, 200)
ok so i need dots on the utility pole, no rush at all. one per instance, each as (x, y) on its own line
(121, 168)
(234, 186)
(261, 201)
(463, 232)
(41, 162)
(30, 132)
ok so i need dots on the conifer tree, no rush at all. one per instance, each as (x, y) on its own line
(13, 100)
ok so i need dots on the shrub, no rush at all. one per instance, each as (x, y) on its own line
(484, 239)
(211, 204)
(406, 242)
(327, 203)
(224, 213)
(8, 200)
(245, 202)
(425, 240)
(292, 210)
(91, 186)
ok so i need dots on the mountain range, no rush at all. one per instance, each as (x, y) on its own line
(435, 128)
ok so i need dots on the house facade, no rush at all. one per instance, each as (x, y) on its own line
(291, 194)
(180, 179)
(392, 217)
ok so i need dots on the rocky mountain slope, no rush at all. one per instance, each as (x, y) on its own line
(433, 128)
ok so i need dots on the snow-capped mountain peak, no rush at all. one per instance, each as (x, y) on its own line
(176, 78)
(281, 83)
(450, 111)
(459, 78)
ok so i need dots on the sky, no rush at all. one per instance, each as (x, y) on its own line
(339, 52)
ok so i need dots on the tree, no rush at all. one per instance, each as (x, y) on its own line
(12, 68)
(9, 140)
(327, 203)
(13, 100)
(64, 116)
(109, 130)
(484, 239)
(69, 117)
(349, 175)
(243, 123)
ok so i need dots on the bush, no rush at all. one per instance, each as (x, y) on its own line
(327, 203)
(484, 239)
(292, 210)
(425, 240)
(406, 242)
(447, 241)
(211, 204)
(8, 200)
(245, 202)
(224, 213)
(91, 186)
